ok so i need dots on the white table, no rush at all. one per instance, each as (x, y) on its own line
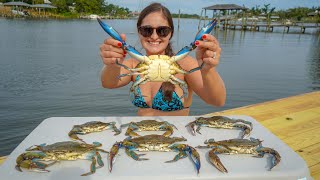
(240, 167)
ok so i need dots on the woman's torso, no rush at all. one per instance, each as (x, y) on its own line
(150, 89)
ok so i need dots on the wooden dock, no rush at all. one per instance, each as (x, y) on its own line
(269, 28)
(295, 120)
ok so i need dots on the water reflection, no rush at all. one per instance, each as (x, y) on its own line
(314, 63)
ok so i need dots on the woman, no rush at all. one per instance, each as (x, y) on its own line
(157, 98)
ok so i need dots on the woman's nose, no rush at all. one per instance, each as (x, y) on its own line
(154, 34)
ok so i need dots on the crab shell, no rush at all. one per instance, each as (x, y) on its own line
(159, 68)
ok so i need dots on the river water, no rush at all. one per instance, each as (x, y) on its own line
(51, 68)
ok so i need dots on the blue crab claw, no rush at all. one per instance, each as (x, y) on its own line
(112, 154)
(186, 50)
(115, 35)
(188, 149)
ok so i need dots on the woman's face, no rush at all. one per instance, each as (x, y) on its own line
(154, 44)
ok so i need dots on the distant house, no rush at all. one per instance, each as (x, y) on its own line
(72, 8)
(47, 2)
(274, 18)
(134, 14)
(314, 13)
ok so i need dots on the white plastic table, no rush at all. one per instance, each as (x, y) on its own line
(240, 167)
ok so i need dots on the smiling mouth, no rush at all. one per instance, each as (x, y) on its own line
(154, 43)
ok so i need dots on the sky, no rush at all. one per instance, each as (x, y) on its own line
(195, 6)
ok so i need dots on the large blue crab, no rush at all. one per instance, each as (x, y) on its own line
(36, 156)
(155, 142)
(158, 68)
(238, 146)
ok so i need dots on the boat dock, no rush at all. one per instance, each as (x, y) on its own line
(295, 120)
(269, 28)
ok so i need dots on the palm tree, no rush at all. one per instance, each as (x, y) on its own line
(267, 11)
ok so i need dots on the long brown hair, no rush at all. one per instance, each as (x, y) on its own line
(167, 87)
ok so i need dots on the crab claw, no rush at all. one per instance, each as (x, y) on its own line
(276, 156)
(115, 35)
(112, 154)
(191, 151)
(215, 160)
(30, 160)
(191, 127)
(186, 50)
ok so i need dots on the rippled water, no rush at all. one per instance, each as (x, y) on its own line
(51, 68)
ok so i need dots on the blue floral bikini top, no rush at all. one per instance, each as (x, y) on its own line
(158, 101)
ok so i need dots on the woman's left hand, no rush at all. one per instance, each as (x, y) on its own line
(208, 52)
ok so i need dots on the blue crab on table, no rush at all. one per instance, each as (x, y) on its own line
(89, 127)
(148, 125)
(158, 68)
(154, 143)
(238, 146)
(36, 156)
(220, 122)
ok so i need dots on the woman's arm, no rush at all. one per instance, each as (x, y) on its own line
(111, 72)
(206, 83)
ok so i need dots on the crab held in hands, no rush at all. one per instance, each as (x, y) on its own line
(220, 122)
(148, 125)
(238, 146)
(154, 143)
(158, 68)
(37, 156)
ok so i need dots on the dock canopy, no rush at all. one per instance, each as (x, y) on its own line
(225, 7)
(16, 4)
(43, 6)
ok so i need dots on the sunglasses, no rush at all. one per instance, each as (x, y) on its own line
(147, 31)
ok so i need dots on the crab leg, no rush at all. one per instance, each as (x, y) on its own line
(168, 129)
(136, 83)
(130, 131)
(115, 35)
(182, 84)
(92, 167)
(31, 160)
(244, 122)
(112, 155)
(186, 149)
(93, 163)
(276, 156)
(186, 50)
(191, 127)
(181, 155)
(135, 156)
(245, 128)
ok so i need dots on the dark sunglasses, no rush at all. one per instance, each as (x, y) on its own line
(147, 31)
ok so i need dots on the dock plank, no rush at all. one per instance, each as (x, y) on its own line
(315, 172)
(295, 120)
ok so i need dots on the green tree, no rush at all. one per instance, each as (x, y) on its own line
(89, 6)
(268, 12)
(61, 5)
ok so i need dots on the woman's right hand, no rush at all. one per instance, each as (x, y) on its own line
(111, 50)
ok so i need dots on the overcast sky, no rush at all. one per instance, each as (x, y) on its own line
(195, 6)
